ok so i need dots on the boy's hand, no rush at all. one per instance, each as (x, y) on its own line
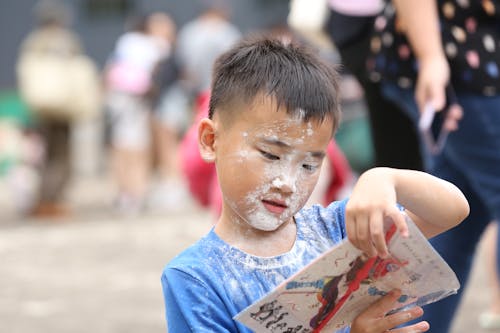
(372, 201)
(375, 320)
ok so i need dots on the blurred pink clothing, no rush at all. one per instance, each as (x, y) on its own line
(202, 177)
(357, 7)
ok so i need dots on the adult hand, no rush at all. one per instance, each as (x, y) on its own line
(433, 78)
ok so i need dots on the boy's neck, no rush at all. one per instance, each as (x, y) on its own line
(257, 242)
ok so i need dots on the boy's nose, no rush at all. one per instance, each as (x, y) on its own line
(285, 184)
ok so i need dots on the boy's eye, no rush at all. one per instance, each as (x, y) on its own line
(269, 156)
(309, 167)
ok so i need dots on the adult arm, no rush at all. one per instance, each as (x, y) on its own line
(420, 21)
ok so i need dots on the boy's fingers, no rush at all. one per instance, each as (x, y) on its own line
(350, 227)
(377, 234)
(385, 322)
(400, 318)
(382, 306)
(398, 219)
(422, 326)
(364, 237)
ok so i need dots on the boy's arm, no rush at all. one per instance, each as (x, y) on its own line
(193, 307)
(434, 205)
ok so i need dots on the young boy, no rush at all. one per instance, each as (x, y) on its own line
(273, 110)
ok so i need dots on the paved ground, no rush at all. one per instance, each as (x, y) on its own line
(100, 273)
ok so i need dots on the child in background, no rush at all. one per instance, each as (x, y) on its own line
(128, 77)
(21, 154)
(273, 111)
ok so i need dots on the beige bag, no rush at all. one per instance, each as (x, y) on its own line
(60, 87)
(308, 18)
(307, 15)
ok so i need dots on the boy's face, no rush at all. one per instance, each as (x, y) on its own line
(268, 164)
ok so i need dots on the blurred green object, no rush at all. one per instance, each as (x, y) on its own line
(354, 138)
(5, 165)
(13, 108)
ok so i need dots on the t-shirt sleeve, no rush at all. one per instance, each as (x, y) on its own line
(335, 212)
(192, 306)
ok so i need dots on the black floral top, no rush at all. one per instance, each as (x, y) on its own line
(471, 40)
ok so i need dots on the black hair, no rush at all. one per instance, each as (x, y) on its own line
(137, 22)
(52, 12)
(283, 69)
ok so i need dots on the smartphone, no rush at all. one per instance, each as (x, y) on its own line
(431, 123)
(433, 131)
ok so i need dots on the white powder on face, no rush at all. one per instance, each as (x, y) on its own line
(284, 180)
(258, 216)
(286, 174)
(278, 183)
(301, 114)
(243, 153)
(309, 130)
(262, 220)
(283, 174)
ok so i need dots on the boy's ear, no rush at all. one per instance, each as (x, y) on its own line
(206, 139)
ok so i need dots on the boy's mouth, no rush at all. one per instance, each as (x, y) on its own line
(275, 206)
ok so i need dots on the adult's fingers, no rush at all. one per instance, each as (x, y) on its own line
(453, 116)
(430, 92)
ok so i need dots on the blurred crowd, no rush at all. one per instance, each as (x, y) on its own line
(149, 94)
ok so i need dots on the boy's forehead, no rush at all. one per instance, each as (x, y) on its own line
(266, 111)
(284, 128)
(265, 117)
(286, 131)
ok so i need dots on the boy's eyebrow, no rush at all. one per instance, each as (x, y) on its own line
(279, 143)
(276, 142)
(318, 154)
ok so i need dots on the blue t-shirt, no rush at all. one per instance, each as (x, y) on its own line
(211, 281)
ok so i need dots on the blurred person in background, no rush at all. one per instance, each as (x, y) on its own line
(432, 48)
(128, 77)
(60, 85)
(199, 42)
(314, 21)
(20, 153)
(350, 27)
(490, 319)
(202, 40)
(171, 117)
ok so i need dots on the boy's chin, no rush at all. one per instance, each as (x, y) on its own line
(267, 224)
